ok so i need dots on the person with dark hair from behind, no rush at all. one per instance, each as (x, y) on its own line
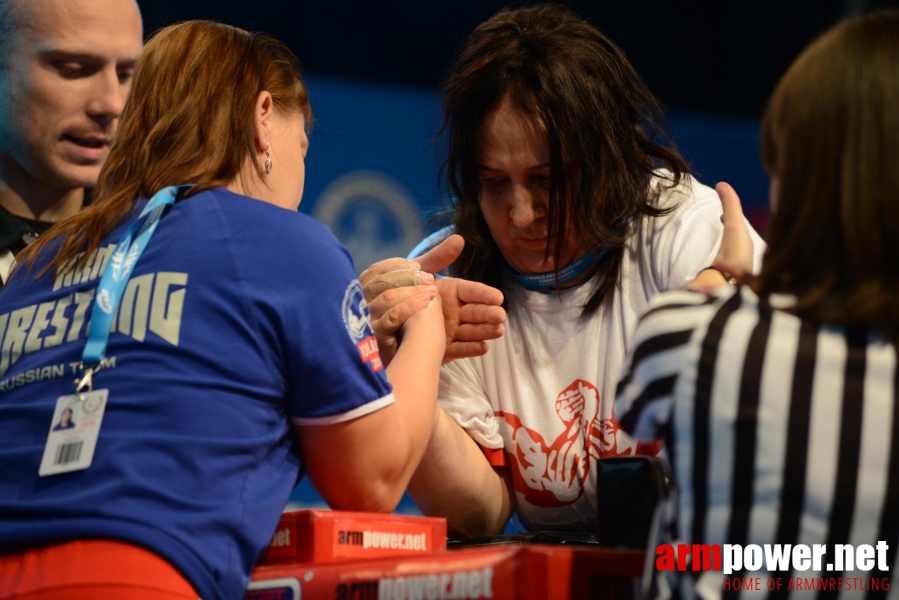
(229, 353)
(570, 202)
(779, 399)
(65, 71)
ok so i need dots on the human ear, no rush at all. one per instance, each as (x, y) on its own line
(262, 120)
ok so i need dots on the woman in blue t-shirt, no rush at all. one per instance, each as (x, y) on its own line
(220, 341)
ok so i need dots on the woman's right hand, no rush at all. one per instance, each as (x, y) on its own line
(472, 311)
(392, 308)
(427, 325)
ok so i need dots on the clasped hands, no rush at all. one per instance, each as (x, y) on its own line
(397, 288)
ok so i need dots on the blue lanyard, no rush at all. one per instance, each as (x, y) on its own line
(115, 277)
(571, 271)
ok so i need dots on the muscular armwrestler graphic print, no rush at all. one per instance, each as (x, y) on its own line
(554, 474)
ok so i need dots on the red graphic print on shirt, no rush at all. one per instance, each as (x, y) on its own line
(553, 474)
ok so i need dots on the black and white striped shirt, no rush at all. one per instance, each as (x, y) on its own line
(777, 430)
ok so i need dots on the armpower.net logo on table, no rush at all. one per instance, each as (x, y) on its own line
(385, 539)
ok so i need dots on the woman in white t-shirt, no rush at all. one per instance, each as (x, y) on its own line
(569, 203)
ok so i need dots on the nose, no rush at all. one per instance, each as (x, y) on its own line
(526, 207)
(108, 97)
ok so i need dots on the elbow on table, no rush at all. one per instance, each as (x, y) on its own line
(465, 516)
(375, 494)
(458, 528)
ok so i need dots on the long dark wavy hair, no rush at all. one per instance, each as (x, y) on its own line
(604, 128)
(830, 138)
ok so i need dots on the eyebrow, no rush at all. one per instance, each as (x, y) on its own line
(483, 167)
(57, 55)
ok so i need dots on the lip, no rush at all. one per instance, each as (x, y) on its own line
(86, 149)
(534, 243)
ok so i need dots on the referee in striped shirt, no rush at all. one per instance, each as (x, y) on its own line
(778, 400)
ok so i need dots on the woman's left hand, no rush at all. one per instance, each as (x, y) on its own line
(735, 255)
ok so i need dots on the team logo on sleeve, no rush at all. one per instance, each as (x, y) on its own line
(357, 319)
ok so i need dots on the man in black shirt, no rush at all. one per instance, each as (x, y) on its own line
(65, 72)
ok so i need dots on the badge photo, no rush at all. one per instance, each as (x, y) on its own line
(73, 432)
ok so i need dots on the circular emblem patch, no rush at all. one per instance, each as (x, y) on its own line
(356, 316)
(92, 404)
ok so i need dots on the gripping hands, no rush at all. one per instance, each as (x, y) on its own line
(397, 288)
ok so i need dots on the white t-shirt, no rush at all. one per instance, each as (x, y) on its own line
(7, 261)
(540, 401)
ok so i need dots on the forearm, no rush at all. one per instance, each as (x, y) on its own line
(454, 480)
(366, 463)
(415, 375)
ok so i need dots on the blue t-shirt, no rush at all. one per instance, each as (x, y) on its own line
(239, 318)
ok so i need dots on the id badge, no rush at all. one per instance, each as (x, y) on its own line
(73, 432)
